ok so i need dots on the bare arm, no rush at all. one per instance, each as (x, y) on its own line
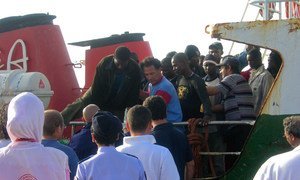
(189, 170)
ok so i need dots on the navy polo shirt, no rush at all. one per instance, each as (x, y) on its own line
(170, 137)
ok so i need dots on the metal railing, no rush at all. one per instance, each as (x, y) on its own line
(73, 124)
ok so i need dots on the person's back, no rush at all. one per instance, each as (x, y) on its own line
(284, 166)
(52, 131)
(157, 160)
(26, 157)
(170, 137)
(24, 160)
(109, 164)
(120, 163)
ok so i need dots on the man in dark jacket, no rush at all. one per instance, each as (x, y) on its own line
(82, 142)
(115, 86)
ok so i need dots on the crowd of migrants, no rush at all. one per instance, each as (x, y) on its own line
(147, 97)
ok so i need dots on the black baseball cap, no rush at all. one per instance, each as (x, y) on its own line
(229, 61)
(105, 124)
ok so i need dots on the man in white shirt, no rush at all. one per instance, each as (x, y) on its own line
(108, 163)
(157, 160)
(284, 166)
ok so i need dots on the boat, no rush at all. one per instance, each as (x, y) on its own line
(33, 44)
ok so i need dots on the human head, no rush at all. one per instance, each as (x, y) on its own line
(249, 47)
(254, 58)
(291, 127)
(152, 69)
(25, 117)
(180, 63)
(105, 128)
(53, 125)
(216, 49)
(139, 120)
(157, 106)
(167, 69)
(121, 57)
(171, 54)
(193, 54)
(209, 64)
(274, 63)
(229, 65)
(89, 111)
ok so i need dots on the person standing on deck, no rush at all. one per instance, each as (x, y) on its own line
(238, 104)
(115, 87)
(260, 79)
(191, 90)
(193, 54)
(159, 85)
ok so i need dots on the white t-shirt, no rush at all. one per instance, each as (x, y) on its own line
(157, 160)
(283, 166)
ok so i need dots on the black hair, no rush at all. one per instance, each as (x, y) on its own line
(275, 56)
(255, 53)
(191, 51)
(157, 106)
(151, 61)
(122, 53)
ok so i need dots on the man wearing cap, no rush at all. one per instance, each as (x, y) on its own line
(108, 163)
(193, 55)
(216, 49)
(238, 103)
(191, 90)
(115, 86)
(157, 160)
(260, 79)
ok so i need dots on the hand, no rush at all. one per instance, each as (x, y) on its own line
(206, 119)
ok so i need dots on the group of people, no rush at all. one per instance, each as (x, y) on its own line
(146, 97)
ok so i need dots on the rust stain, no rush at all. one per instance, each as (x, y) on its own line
(294, 25)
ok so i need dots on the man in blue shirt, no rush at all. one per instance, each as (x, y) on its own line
(159, 85)
(52, 132)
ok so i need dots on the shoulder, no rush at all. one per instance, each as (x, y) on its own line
(105, 61)
(56, 153)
